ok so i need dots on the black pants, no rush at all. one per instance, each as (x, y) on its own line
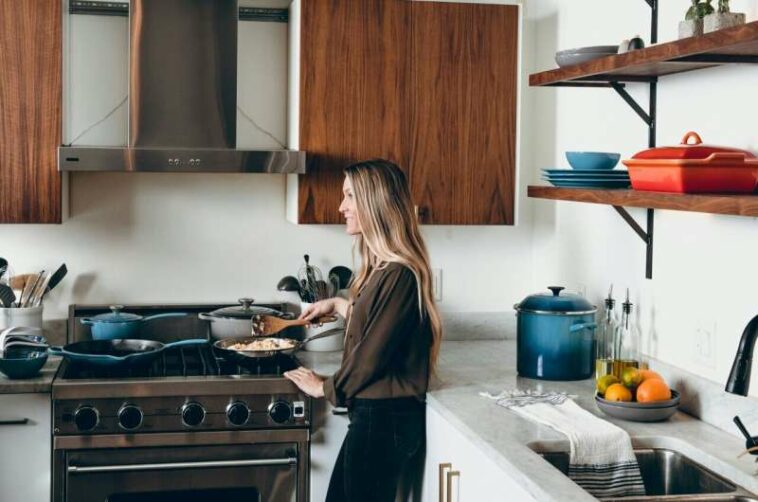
(384, 441)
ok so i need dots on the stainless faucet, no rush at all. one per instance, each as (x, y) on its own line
(739, 377)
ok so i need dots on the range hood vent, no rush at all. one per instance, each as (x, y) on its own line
(182, 96)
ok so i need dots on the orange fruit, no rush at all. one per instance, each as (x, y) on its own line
(652, 390)
(617, 392)
(648, 374)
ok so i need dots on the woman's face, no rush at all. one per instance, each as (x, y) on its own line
(349, 209)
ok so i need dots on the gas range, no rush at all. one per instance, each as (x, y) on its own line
(188, 411)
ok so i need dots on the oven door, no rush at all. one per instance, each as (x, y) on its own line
(252, 472)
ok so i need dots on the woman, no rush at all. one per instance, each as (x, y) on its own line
(391, 340)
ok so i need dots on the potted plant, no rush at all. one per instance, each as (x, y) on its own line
(722, 18)
(692, 26)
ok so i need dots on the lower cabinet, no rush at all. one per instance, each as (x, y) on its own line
(25, 456)
(457, 471)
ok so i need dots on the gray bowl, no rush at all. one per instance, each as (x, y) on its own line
(640, 412)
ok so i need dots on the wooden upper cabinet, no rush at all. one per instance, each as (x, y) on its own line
(464, 89)
(30, 111)
(353, 94)
(430, 86)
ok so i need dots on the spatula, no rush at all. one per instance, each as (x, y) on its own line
(264, 325)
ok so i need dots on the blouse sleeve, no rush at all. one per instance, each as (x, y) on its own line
(393, 313)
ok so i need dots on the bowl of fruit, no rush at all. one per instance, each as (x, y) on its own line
(639, 396)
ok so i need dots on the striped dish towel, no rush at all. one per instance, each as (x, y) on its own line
(602, 460)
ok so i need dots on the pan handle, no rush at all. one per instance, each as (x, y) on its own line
(55, 350)
(61, 351)
(191, 341)
(323, 334)
(167, 314)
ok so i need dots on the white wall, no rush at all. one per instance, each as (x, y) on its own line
(146, 237)
(704, 272)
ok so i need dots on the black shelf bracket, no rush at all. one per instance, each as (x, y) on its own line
(645, 235)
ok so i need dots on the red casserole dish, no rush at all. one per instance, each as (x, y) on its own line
(694, 168)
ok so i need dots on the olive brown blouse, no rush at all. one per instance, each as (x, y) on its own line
(387, 342)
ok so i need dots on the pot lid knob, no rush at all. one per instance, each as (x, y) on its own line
(116, 309)
(556, 289)
(246, 302)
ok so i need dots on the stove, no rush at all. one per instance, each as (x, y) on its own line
(209, 427)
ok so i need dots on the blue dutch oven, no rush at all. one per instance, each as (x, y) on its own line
(116, 325)
(555, 336)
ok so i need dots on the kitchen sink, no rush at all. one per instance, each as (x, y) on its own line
(669, 475)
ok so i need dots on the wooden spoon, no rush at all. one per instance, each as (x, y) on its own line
(264, 325)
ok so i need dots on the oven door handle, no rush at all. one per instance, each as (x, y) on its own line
(266, 462)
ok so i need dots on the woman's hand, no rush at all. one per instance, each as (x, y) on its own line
(323, 308)
(308, 381)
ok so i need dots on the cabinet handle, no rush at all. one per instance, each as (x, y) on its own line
(443, 467)
(450, 476)
(14, 421)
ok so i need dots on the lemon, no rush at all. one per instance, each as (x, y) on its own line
(604, 382)
(631, 377)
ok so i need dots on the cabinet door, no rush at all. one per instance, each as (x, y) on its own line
(30, 111)
(353, 100)
(463, 89)
(25, 456)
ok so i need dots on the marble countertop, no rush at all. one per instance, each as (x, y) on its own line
(39, 384)
(467, 368)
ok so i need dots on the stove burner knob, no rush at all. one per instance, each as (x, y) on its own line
(130, 417)
(237, 413)
(193, 414)
(86, 418)
(280, 411)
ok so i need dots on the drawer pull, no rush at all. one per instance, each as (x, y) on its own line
(14, 421)
(442, 468)
(450, 476)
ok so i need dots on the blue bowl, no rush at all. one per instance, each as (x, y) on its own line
(22, 362)
(593, 160)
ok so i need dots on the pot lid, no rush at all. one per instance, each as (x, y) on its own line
(245, 310)
(555, 302)
(692, 147)
(116, 315)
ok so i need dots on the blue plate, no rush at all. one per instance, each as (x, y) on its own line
(586, 172)
(585, 178)
(590, 184)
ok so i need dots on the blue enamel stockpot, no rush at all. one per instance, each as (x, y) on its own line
(116, 325)
(556, 336)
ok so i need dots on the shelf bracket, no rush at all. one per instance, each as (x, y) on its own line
(631, 102)
(645, 235)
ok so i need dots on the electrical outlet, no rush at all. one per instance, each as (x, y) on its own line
(437, 284)
(705, 333)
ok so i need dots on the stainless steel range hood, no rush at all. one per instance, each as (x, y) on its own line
(182, 96)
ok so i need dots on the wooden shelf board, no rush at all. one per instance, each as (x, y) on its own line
(739, 205)
(728, 46)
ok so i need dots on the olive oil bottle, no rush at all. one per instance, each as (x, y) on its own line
(626, 342)
(605, 338)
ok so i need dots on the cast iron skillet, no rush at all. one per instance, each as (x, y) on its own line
(241, 356)
(123, 352)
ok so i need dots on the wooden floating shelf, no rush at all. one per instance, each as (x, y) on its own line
(739, 205)
(738, 44)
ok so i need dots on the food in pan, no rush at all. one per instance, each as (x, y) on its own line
(263, 344)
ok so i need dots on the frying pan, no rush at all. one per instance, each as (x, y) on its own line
(122, 352)
(241, 356)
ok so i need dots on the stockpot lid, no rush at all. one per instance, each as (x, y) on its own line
(246, 310)
(116, 315)
(556, 303)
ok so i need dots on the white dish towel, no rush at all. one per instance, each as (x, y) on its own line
(601, 461)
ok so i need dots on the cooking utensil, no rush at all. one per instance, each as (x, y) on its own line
(56, 278)
(555, 336)
(3, 266)
(29, 286)
(237, 320)
(288, 283)
(117, 324)
(39, 290)
(693, 167)
(344, 274)
(222, 347)
(121, 352)
(309, 275)
(264, 325)
(7, 296)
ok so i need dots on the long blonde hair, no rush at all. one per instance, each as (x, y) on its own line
(390, 233)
